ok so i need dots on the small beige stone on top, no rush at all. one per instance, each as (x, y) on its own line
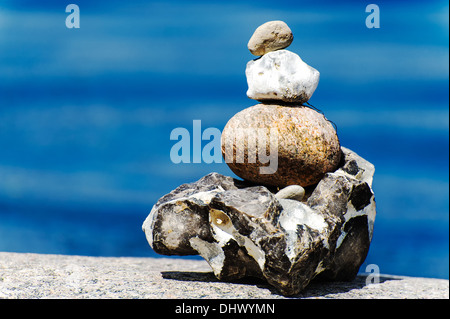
(270, 36)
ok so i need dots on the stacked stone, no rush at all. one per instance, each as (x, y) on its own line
(249, 227)
(307, 144)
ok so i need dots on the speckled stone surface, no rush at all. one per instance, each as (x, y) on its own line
(36, 276)
(306, 142)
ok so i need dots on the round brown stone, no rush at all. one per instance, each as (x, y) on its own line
(303, 144)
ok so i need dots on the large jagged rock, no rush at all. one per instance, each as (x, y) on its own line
(244, 230)
(183, 214)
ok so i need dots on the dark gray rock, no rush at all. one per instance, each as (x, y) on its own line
(183, 214)
(244, 230)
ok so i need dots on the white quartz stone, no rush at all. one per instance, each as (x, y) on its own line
(281, 75)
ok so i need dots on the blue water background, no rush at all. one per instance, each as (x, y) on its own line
(86, 114)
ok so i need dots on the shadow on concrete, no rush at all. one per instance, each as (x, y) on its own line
(314, 289)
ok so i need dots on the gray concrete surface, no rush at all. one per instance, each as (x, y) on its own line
(59, 276)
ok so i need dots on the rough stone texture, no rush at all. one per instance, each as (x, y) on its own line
(303, 145)
(270, 36)
(281, 76)
(34, 276)
(183, 214)
(246, 231)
